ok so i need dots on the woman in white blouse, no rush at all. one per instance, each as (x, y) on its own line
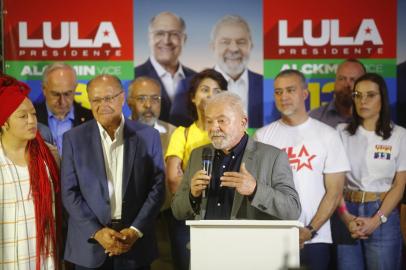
(29, 186)
(376, 149)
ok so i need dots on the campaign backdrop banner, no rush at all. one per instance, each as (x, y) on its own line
(297, 35)
(310, 36)
(94, 38)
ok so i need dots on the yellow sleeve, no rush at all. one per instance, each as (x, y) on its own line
(177, 144)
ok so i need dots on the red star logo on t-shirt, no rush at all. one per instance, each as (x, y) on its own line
(301, 160)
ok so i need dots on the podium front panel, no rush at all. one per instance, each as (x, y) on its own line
(244, 244)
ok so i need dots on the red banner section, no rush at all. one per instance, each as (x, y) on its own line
(75, 30)
(333, 29)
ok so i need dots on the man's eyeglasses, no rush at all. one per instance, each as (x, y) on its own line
(160, 34)
(142, 99)
(108, 99)
(360, 96)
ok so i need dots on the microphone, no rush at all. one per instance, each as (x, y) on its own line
(207, 164)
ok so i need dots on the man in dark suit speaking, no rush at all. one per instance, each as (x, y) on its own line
(112, 185)
(249, 180)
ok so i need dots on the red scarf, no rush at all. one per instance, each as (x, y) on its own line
(48, 228)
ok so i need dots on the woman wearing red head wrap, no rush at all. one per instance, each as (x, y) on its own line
(29, 185)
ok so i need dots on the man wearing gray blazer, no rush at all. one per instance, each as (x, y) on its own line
(249, 180)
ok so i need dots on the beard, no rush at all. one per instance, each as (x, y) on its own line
(219, 140)
(344, 98)
(229, 65)
(149, 120)
(285, 111)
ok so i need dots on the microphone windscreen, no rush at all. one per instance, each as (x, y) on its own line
(207, 153)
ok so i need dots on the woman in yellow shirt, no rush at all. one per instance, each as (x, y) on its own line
(183, 140)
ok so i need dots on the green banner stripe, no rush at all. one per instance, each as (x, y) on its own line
(326, 68)
(86, 70)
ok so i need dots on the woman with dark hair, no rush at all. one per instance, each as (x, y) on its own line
(30, 203)
(183, 140)
(376, 149)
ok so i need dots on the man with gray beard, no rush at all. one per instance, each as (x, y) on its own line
(231, 43)
(249, 180)
(144, 100)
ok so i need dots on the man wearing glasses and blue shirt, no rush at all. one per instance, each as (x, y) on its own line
(112, 177)
(59, 111)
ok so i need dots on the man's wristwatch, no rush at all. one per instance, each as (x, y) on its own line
(382, 217)
(313, 232)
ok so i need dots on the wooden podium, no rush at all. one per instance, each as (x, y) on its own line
(244, 244)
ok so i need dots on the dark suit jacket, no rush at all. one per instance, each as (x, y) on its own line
(86, 198)
(81, 114)
(255, 100)
(275, 198)
(147, 69)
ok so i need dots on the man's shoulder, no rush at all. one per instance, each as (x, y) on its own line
(80, 133)
(144, 131)
(168, 126)
(263, 149)
(262, 133)
(145, 68)
(268, 127)
(40, 105)
(320, 126)
(82, 112)
(318, 112)
(188, 71)
(41, 111)
(83, 128)
(255, 75)
(138, 126)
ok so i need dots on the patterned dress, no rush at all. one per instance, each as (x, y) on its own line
(17, 219)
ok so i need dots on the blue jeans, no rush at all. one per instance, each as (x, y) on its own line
(315, 256)
(382, 249)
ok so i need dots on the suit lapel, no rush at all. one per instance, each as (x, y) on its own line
(166, 102)
(249, 161)
(130, 142)
(95, 154)
(42, 113)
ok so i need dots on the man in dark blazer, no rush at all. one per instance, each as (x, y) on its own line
(231, 43)
(112, 185)
(167, 37)
(59, 111)
(249, 180)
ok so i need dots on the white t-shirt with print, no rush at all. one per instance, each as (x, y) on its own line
(314, 149)
(374, 161)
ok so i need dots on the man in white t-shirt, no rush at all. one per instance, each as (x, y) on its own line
(318, 161)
